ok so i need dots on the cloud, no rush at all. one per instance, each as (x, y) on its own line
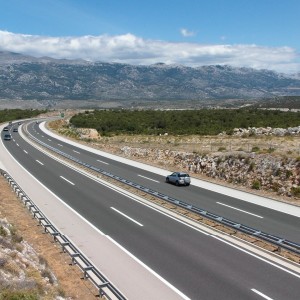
(131, 49)
(186, 33)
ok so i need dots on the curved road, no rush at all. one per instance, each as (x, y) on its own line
(198, 264)
(259, 217)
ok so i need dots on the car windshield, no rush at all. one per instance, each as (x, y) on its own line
(184, 175)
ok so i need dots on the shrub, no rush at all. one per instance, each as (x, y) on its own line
(18, 295)
(251, 166)
(295, 191)
(256, 184)
(255, 149)
(271, 150)
(288, 173)
(3, 231)
(222, 148)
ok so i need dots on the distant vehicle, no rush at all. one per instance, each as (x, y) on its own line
(5, 128)
(179, 178)
(7, 137)
(19, 123)
(15, 130)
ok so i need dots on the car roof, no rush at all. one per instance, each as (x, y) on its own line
(179, 173)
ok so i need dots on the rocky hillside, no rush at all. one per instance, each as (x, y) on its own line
(254, 171)
(28, 78)
(23, 273)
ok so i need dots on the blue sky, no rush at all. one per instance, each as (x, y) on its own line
(251, 33)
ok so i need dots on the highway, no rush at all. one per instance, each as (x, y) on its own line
(259, 217)
(198, 264)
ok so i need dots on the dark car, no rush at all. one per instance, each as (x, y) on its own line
(7, 137)
(5, 128)
(15, 130)
(179, 178)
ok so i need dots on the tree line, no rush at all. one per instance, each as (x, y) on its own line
(7, 115)
(182, 122)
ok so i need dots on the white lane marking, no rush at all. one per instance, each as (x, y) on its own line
(173, 288)
(25, 151)
(60, 145)
(42, 136)
(256, 256)
(49, 140)
(67, 180)
(136, 222)
(246, 212)
(39, 162)
(103, 162)
(76, 151)
(261, 294)
(113, 241)
(148, 178)
(17, 144)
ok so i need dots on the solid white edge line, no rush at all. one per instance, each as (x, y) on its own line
(258, 257)
(99, 231)
(129, 218)
(148, 178)
(243, 196)
(54, 195)
(67, 180)
(244, 211)
(261, 294)
(159, 211)
(103, 162)
(149, 269)
(39, 162)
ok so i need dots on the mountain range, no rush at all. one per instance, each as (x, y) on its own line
(24, 77)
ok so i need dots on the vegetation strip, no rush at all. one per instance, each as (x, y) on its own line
(182, 122)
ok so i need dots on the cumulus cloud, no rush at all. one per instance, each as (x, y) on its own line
(131, 49)
(186, 33)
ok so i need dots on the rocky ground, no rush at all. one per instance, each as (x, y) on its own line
(32, 266)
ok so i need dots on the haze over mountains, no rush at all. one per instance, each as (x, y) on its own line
(28, 78)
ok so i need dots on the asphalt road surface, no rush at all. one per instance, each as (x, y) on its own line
(198, 264)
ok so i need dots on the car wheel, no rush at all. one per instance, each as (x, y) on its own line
(187, 184)
(167, 180)
(177, 183)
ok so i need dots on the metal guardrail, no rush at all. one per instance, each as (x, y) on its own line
(278, 241)
(105, 288)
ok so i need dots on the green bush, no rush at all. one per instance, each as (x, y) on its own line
(222, 148)
(295, 191)
(3, 232)
(256, 185)
(255, 149)
(18, 295)
(251, 166)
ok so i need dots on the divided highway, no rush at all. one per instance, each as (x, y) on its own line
(259, 217)
(198, 264)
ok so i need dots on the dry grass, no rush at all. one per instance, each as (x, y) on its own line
(70, 284)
